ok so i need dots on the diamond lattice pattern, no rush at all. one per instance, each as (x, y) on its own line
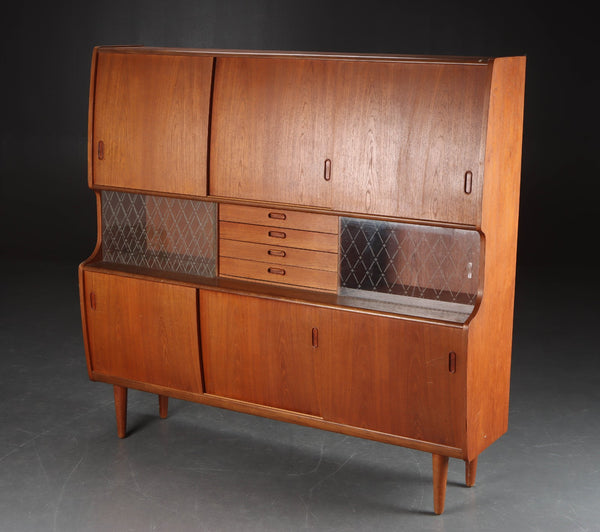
(170, 234)
(411, 260)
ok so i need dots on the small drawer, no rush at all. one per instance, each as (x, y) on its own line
(278, 236)
(305, 221)
(316, 260)
(278, 274)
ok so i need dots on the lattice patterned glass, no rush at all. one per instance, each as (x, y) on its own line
(170, 234)
(426, 262)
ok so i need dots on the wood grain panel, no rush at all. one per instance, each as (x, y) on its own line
(278, 273)
(142, 330)
(284, 237)
(270, 131)
(274, 217)
(315, 260)
(393, 376)
(404, 137)
(260, 351)
(151, 114)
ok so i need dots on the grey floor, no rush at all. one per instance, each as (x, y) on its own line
(62, 467)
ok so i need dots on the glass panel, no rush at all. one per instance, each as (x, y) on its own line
(171, 234)
(415, 261)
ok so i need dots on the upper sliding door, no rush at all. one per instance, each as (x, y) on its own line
(150, 121)
(271, 130)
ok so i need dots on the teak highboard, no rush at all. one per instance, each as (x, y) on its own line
(324, 239)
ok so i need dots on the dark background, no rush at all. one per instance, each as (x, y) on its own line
(61, 465)
(48, 212)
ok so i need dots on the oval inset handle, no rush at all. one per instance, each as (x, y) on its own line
(100, 150)
(277, 216)
(315, 337)
(452, 362)
(276, 271)
(93, 300)
(327, 170)
(277, 234)
(468, 182)
(276, 253)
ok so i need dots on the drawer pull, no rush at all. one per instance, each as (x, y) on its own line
(315, 337)
(93, 300)
(276, 271)
(276, 253)
(277, 216)
(276, 234)
(100, 150)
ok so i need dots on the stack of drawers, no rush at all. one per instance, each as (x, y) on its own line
(278, 246)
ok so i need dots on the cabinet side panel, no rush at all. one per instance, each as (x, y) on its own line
(490, 332)
(150, 123)
(92, 99)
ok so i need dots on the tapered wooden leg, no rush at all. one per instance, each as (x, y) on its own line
(163, 406)
(121, 410)
(470, 472)
(440, 476)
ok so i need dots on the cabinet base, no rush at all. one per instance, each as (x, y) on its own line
(439, 461)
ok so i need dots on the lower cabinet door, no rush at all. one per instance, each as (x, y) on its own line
(395, 376)
(143, 331)
(261, 351)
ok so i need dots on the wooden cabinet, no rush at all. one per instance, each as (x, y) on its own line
(142, 331)
(149, 126)
(324, 239)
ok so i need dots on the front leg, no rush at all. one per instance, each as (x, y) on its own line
(163, 406)
(120, 393)
(440, 476)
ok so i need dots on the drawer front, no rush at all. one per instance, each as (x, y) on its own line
(278, 274)
(278, 236)
(279, 218)
(316, 260)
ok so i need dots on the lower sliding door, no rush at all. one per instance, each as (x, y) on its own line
(395, 376)
(143, 331)
(261, 351)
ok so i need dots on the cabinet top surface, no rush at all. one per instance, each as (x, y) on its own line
(298, 54)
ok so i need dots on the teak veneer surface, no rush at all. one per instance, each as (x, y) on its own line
(151, 112)
(284, 142)
(143, 331)
(399, 137)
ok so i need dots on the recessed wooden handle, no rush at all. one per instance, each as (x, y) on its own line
(93, 301)
(452, 362)
(276, 271)
(315, 337)
(327, 170)
(277, 216)
(276, 253)
(277, 234)
(100, 150)
(468, 182)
